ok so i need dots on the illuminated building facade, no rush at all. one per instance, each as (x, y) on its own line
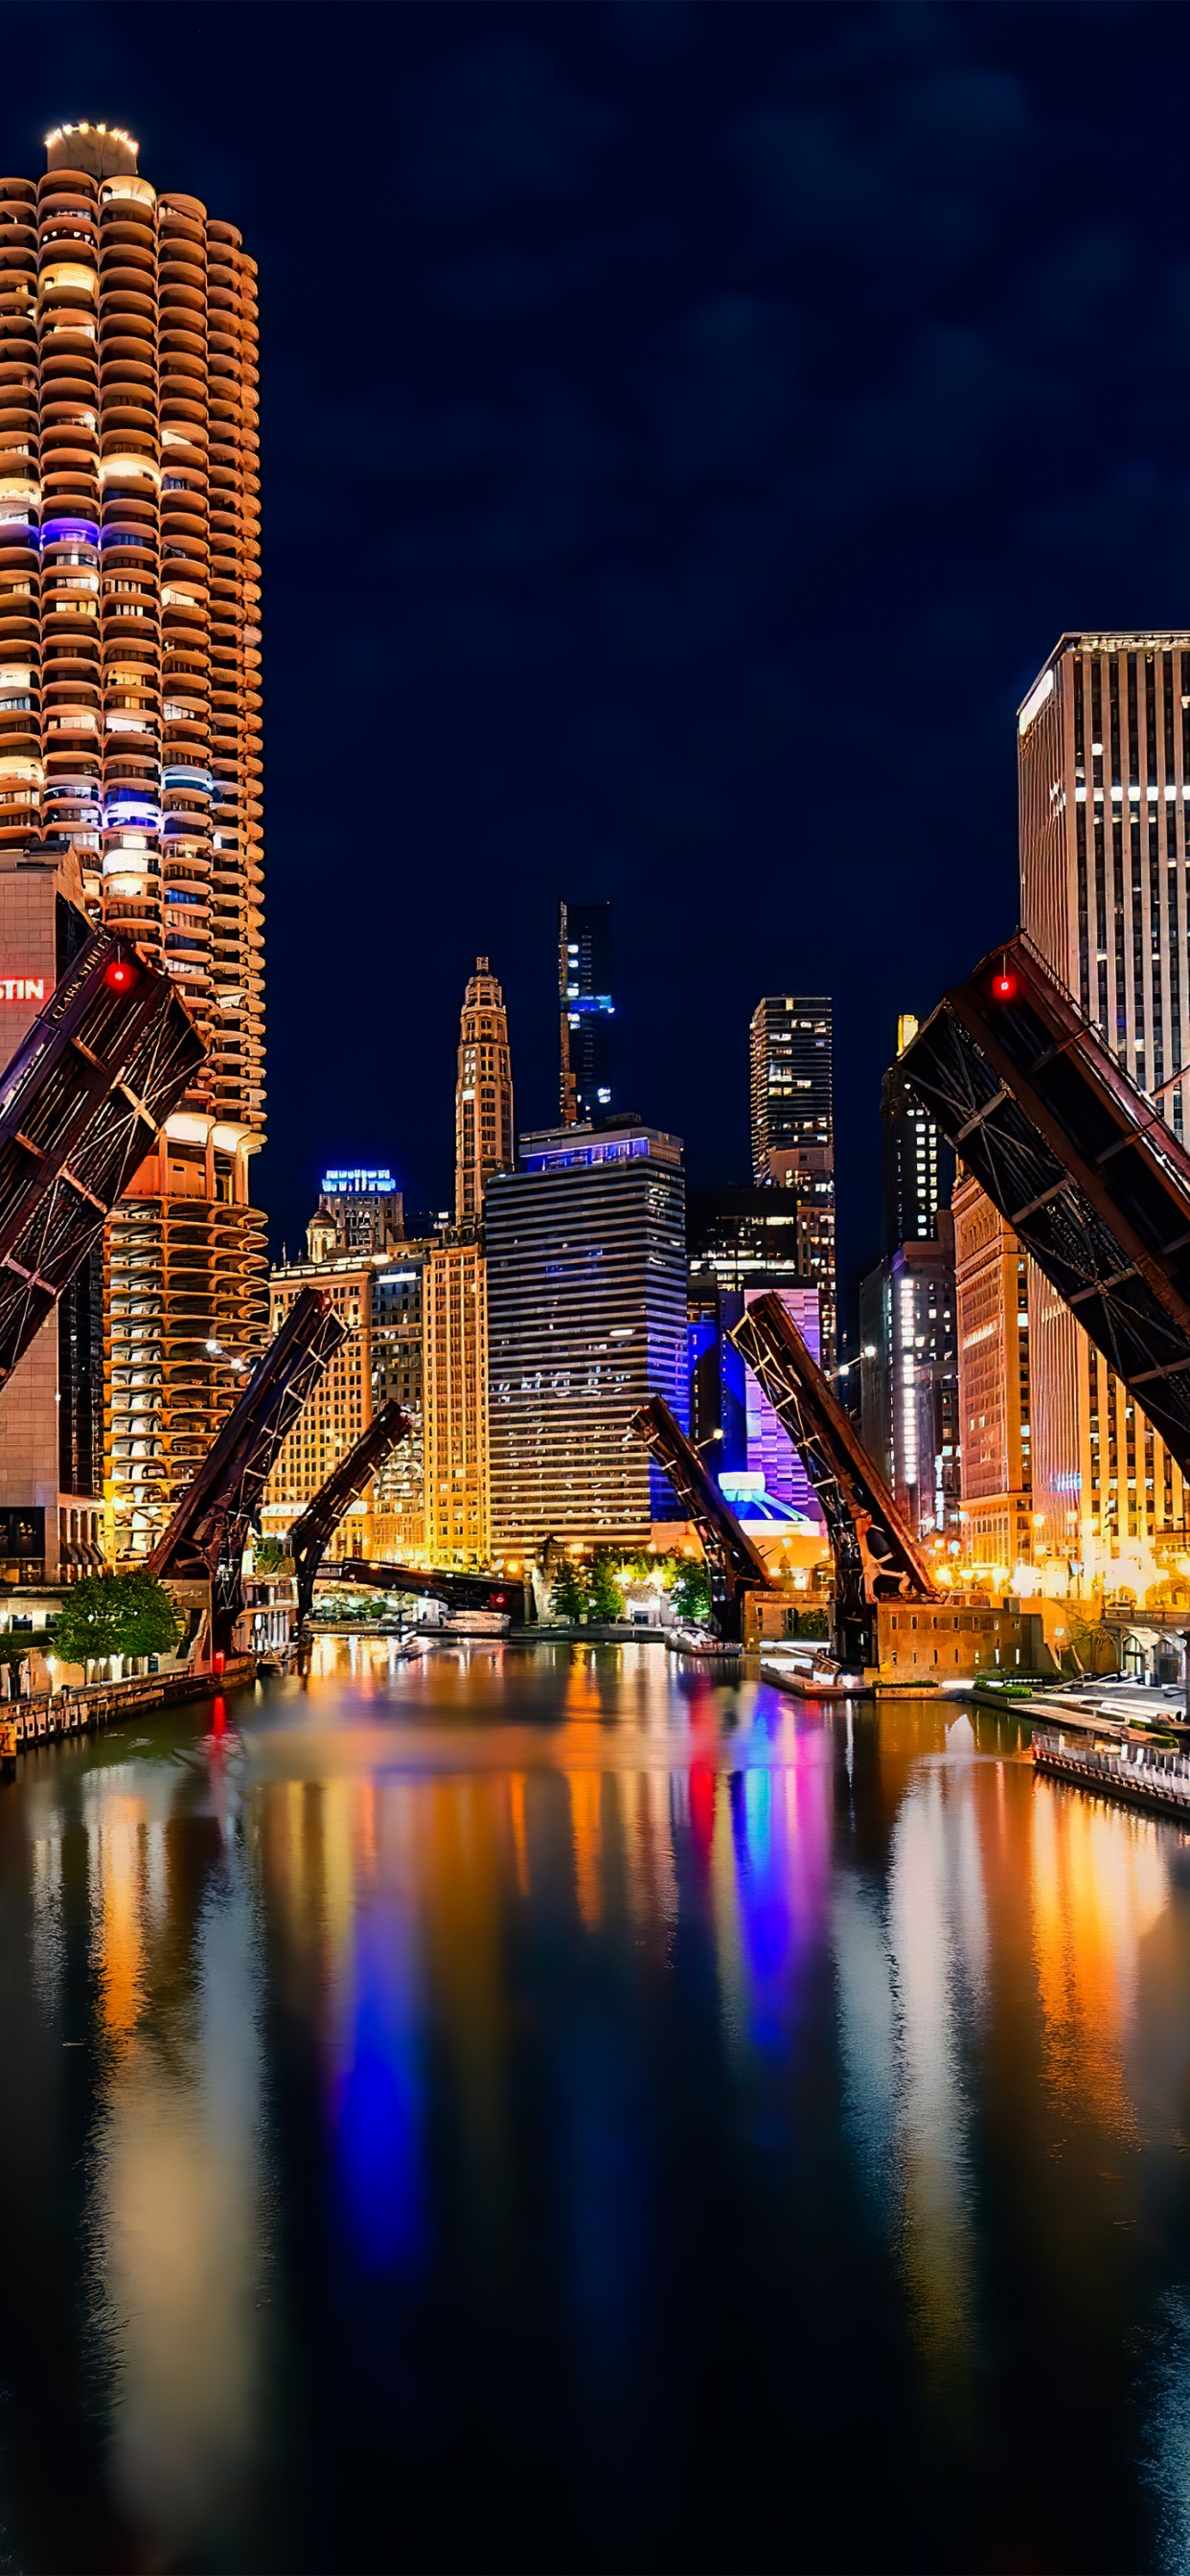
(909, 1380)
(457, 1495)
(130, 718)
(585, 1007)
(909, 1389)
(483, 1094)
(992, 1322)
(51, 1410)
(1104, 777)
(340, 1407)
(741, 1242)
(360, 1210)
(918, 1165)
(793, 1129)
(586, 1254)
(398, 1373)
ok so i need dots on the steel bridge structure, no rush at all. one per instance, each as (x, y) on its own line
(734, 1566)
(311, 1535)
(876, 1559)
(206, 1538)
(1078, 1161)
(81, 1104)
(459, 1589)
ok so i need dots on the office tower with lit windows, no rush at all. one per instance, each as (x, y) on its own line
(740, 1242)
(51, 1408)
(483, 1094)
(586, 1253)
(793, 1129)
(360, 1209)
(1104, 775)
(585, 1008)
(994, 1369)
(339, 1408)
(457, 1494)
(909, 1396)
(918, 1164)
(130, 721)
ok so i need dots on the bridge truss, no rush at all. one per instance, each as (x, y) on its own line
(81, 1104)
(1077, 1160)
(209, 1531)
(311, 1535)
(458, 1589)
(734, 1565)
(875, 1556)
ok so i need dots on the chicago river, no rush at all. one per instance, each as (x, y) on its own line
(533, 2103)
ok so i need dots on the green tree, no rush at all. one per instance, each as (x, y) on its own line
(86, 1627)
(690, 1591)
(606, 1598)
(568, 1600)
(271, 1556)
(146, 1615)
(115, 1614)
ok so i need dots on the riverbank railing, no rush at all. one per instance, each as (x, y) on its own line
(1155, 1773)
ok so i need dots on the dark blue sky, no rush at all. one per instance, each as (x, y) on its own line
(686, 431)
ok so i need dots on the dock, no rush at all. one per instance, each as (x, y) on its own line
(1142, 1775)
(25, 1723)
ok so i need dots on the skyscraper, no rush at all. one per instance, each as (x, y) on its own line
(51, 1409)
(458, 1527)
(130, 719)
(1104, 774)
(586, 1250)
(585, 1007)
(483, 1094)
(918, 1165)
(360, 1209)
(995, 1414)
(909, 1409)
(793, 1129)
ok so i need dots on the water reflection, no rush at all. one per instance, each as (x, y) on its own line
(590, 2103)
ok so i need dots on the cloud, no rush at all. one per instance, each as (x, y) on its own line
(728, 404)
(898, 172)
(502, 124)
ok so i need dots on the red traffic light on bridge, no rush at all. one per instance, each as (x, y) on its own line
(1004, 985)
(121, 974)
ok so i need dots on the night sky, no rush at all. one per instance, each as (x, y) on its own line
(687, 429)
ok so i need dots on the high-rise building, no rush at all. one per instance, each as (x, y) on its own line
(740, 1242)
(51, 1409)
(585, 1007)
(458, 1520)
(339, 1408)
(359, 1210)
(992, 1318)
(398, 1373)
(1104, 774)
(793, 1129)
(909, 1396)
(483, 1094)
(130, 719)
(918, 1165)
(586, 1250)
(909, 1384)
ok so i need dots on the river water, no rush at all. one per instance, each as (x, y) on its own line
(548, 2110)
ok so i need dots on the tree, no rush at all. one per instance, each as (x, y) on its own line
(568, 1599)
(690, 1591)
(271, 1556)
(605, 1596)
(115, 1614)
(86, 1627)
(147, 1616)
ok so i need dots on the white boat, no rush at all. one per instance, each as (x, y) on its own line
(800, 1665)
(701, 1642)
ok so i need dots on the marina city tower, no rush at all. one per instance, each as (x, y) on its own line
(130, 724)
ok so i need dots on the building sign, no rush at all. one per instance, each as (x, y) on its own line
(22, 988)
(357, 1184)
